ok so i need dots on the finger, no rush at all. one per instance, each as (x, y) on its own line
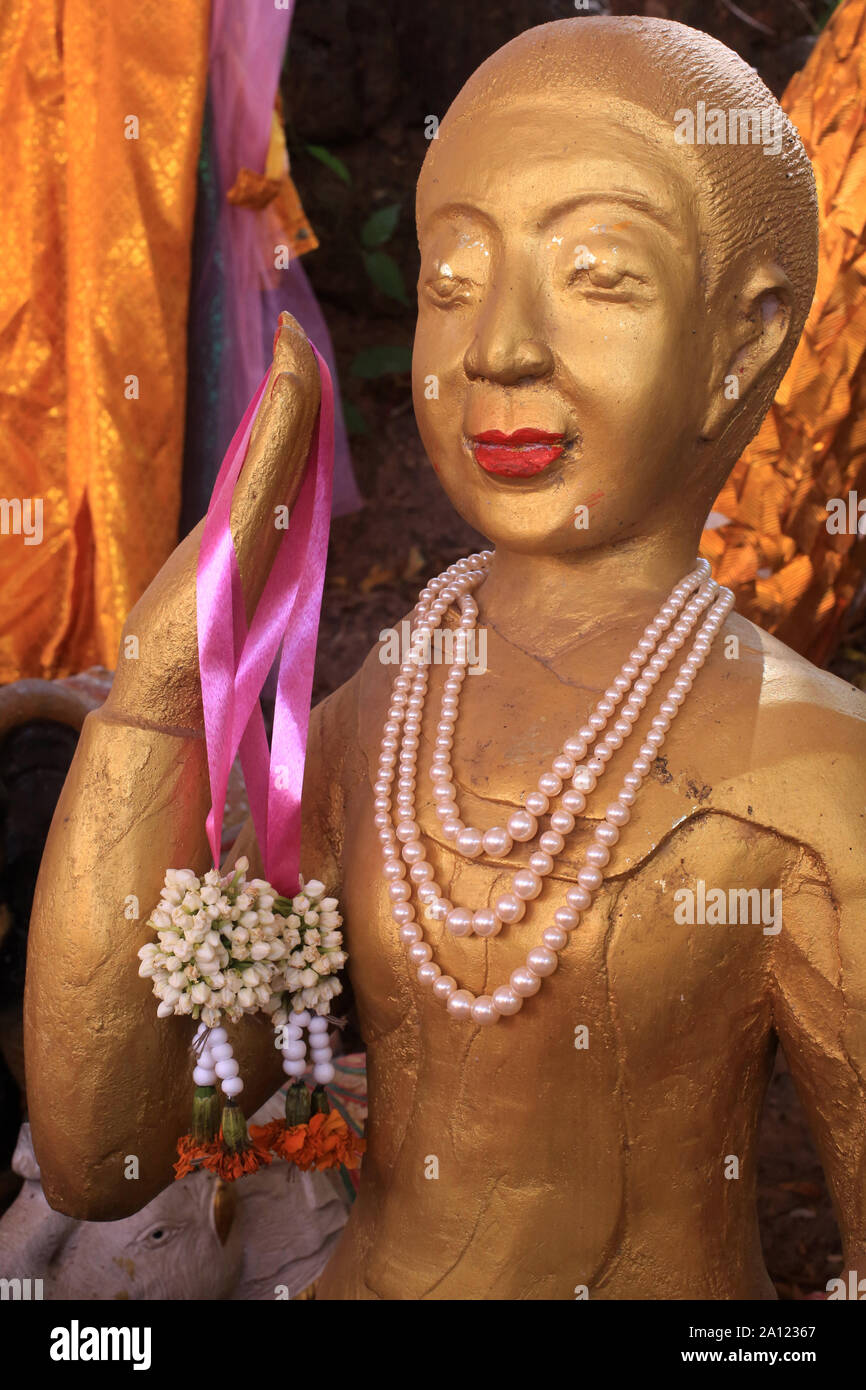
(294, 372)
(278, 449)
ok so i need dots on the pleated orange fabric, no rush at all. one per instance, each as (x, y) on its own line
(101, 112)
(793, 575)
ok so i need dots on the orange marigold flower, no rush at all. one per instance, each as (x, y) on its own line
(285, 1142)
(330, 1143)
(230, 1164)
(265, 1136)
(192, 1155)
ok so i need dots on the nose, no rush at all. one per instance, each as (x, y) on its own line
(507, 348)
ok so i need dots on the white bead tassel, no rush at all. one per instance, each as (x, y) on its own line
(294, 1049)
(320, 1051)
(203, 1072)
(216, 1061)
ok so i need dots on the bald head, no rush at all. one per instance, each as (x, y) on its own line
(656, 70)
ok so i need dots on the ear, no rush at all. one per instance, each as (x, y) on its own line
(754, 304)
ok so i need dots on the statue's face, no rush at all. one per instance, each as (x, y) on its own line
(560, 294)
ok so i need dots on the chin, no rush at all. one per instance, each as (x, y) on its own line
(523, 531)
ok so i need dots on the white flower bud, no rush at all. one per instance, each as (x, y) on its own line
(313, 888)
(301, 904)
(246, 998)
(260, 951)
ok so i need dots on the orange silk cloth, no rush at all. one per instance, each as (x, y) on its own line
(101, 127)
(790, 575)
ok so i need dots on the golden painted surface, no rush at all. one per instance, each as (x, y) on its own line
(95, 230)
(558, 1167)
(789, 573)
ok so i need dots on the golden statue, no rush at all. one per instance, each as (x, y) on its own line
(605, 310)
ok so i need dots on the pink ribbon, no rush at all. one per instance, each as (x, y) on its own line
(234, 660)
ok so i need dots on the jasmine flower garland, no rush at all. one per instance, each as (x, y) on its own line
(229, 946)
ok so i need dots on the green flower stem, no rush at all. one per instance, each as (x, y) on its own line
(205, 1114)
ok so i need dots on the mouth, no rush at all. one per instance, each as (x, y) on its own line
(521, 454)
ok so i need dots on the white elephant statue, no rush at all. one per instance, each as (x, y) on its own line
(264, 1237)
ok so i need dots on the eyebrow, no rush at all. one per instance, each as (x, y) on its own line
(626, 197)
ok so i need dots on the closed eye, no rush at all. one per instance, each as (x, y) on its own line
(449, 291)
(606, 283)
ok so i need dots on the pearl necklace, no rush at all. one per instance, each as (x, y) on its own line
(400, 835)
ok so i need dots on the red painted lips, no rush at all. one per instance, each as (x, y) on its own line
(521, 454)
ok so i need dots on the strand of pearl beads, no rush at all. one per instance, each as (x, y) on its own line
(527, 882)
(499, 840)
(405, 712)
(542, 960)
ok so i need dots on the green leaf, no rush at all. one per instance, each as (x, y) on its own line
(330, 161)
(373, 362)
(355, 422)
(379, 227)
(386, 275)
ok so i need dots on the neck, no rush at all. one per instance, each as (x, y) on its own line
(545, 603)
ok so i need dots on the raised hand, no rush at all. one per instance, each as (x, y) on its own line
(160, 683)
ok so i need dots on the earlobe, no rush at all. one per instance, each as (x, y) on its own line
(753, 338)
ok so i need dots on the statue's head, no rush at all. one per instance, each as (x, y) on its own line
(618, 234)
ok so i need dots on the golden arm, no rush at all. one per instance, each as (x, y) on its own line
(105, 1078)
(819, 1007)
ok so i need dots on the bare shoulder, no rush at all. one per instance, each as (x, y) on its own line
(796, 693)
(793, 752)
